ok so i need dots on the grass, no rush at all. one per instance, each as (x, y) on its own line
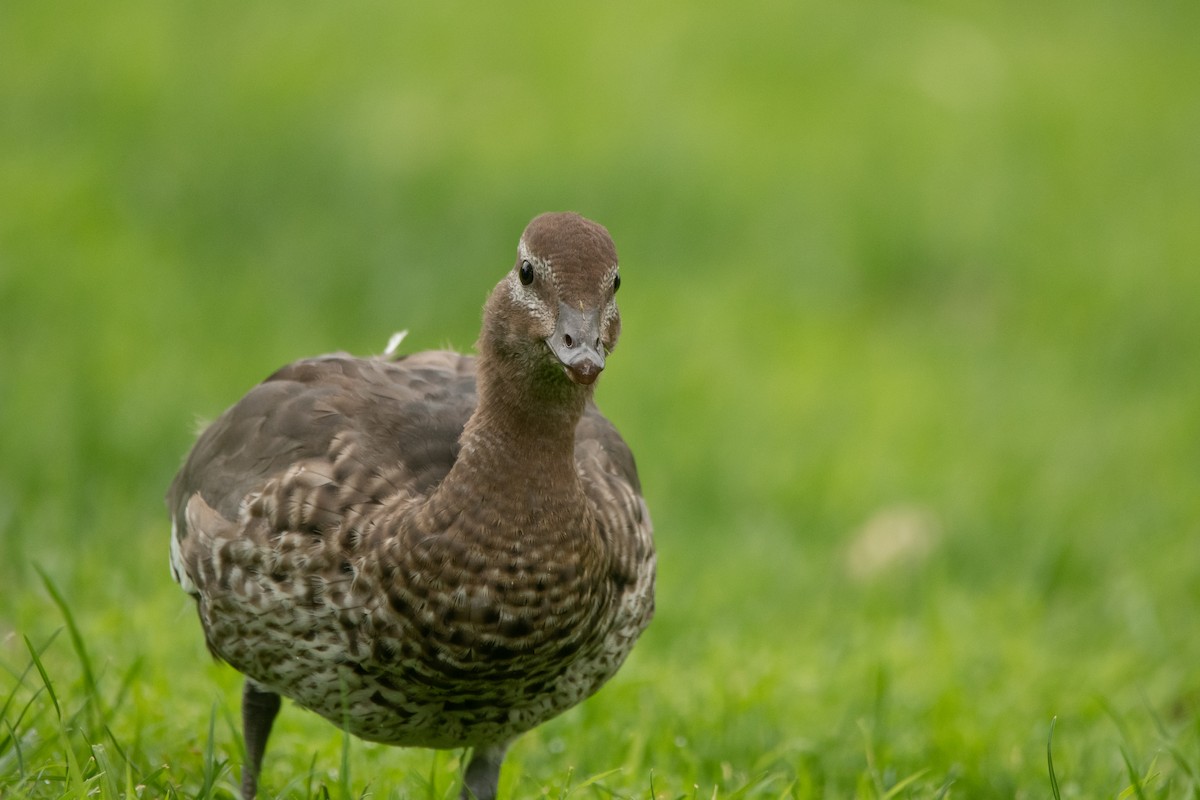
(909, 366)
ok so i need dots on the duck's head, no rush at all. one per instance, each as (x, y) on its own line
(555, 312)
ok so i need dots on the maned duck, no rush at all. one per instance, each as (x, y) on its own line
(433, 550)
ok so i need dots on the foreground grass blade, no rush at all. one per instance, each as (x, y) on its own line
(211, 768)
(37, 662)
(597, 778)
(1050, 760)
(76, 785)
(904, 783)
(1135, 782)
(85, 662)
(16, 744)
(344, 777)
(312, 768)
(344, 772)
(20, 681)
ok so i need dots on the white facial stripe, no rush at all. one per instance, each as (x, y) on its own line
(609, 316)
(610, 310)
(523, 297)
(540, 268)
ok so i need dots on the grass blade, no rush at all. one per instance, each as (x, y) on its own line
(1135, 782)
(1050, 760)
(76, 784)
(85, 662)
(16, 742)
(904, 783)
(344, 773)
(597, 778)
(211, 768)
(37, 662)
(944, 791)
(344, 777)
(21, 681)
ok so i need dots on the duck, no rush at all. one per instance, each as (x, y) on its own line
(434, 549)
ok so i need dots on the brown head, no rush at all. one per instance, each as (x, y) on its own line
(555, 313)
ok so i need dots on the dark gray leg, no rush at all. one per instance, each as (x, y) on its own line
(259, 708)
(483, 772)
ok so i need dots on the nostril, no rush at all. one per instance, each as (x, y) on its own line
(567, 340)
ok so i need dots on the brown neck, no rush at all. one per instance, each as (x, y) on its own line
(517, 452)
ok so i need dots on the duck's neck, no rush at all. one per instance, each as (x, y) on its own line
(517, 453)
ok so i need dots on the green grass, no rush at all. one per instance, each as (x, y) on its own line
(910, 366)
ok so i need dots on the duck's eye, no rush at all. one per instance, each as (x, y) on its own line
(526, 273)
(616, 282)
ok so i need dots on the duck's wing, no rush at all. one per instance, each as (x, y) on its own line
(317, 438)
(610, 480)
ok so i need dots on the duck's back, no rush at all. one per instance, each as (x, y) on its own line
(404, 414)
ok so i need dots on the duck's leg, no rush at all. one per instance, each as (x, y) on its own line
(259, 708)
(483, 772)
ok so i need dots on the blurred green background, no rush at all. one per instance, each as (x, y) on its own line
(911, 358)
